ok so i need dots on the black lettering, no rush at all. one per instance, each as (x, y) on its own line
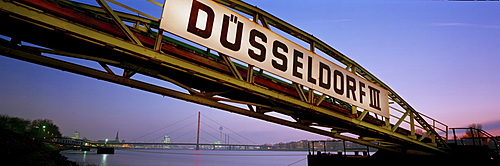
(193, 18)
(276, 65)
(351, 88)
(223, 36)
(322, 68)
(361, 92)
(336, 76)
(262, 56)
(374, 98)
(309, 70)
(296, 64)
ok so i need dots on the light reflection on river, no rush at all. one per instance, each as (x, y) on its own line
(147, 157)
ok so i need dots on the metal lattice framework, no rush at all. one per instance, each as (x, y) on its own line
(134, 43)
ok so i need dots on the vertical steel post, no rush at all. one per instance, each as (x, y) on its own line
(324, 146)
(312, 143)
(472, 136)
(367, 151)
(159, 38)
(308, 148)
(198, 133)
(454, 136)
(345, 151)
(412, 125)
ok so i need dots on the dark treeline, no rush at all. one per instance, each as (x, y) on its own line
(25, 142)
(38, 128)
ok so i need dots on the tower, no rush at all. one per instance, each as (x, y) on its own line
(116, 138)
(166, 139)
(77, 135)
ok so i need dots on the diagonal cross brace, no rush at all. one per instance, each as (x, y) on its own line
(119, 22)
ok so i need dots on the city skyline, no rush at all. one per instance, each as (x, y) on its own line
(441, 57)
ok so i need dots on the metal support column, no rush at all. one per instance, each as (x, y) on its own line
(198, 133)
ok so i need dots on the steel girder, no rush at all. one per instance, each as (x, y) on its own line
(120, 46)
(316, 43)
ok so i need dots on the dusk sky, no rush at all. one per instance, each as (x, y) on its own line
(442, 57)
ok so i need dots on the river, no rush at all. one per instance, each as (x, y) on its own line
(158, 157)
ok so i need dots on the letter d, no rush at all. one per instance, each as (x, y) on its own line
(193, 18)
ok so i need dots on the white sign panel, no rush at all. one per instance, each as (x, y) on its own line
(223, 30)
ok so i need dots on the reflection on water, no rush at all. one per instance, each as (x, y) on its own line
(188, 157)
(197, 161)
(103, 161)
(84, 155)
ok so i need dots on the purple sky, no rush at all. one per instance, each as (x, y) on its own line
(441, 57)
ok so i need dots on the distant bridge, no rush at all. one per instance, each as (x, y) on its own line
(138, 145)
(324, 104)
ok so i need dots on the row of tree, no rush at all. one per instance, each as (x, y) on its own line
(38, 128)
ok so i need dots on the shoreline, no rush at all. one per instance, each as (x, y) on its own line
(20, 150)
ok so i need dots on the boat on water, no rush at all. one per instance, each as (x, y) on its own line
(105, 150)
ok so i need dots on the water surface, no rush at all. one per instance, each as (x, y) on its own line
(148, 157)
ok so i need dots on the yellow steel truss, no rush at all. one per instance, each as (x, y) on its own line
(17, 11)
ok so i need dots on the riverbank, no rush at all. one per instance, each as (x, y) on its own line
(19, 150)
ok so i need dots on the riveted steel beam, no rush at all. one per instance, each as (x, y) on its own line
(119, 22)
(300, 91)
(330, 51)
(208, 101)
(172, 62)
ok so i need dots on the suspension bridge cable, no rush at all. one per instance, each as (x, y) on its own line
(231, 138)
(173, 139)
(176, 130)
(205, 140)
(229, 129)
(210, 127)
(210, 135)
(218, 131)
(163, 128)
(235, 140)
(192, 139)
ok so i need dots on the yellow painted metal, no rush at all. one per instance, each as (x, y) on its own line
(156, 3)
(200, 99)
(119, 22)
(133, 10)
(250, 77)
(300, 91)
(231, 66)
(363, 114)
(350, 66)
(321, 99)
(124, 16)
(401, 119)
(292, 30)
(237, 83)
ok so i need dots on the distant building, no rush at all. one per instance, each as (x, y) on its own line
(166, 139)
(77, 135)
(116, 138)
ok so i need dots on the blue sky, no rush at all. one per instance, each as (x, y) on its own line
(441, 57)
